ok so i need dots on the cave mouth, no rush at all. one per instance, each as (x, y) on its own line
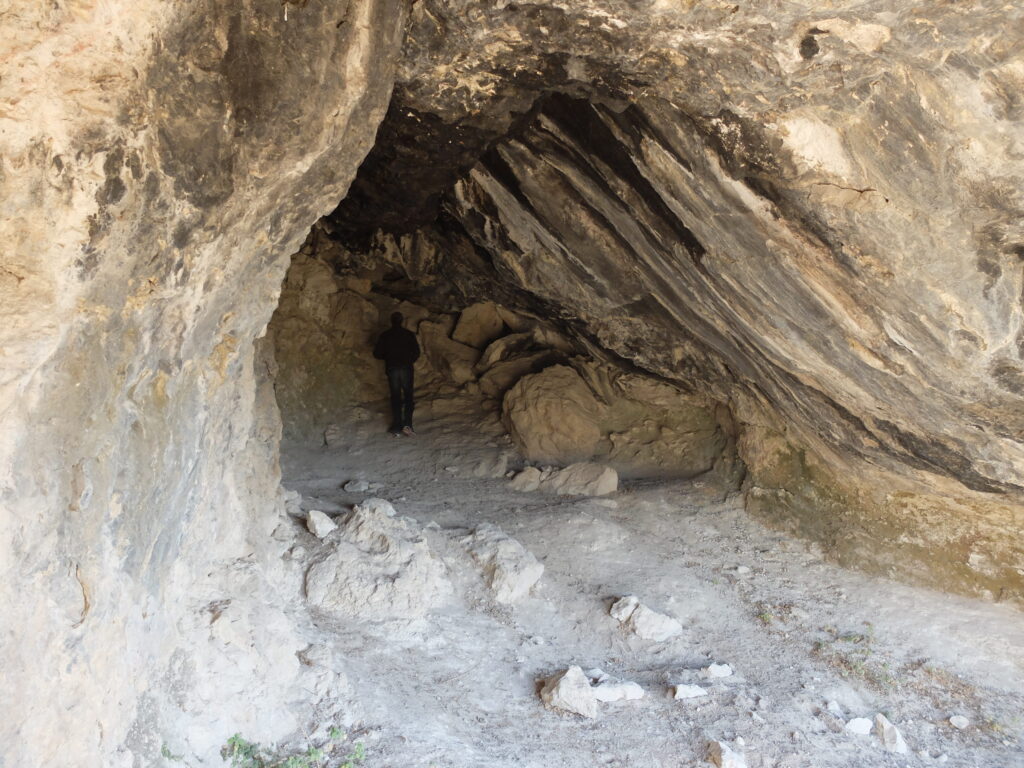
(519, 363)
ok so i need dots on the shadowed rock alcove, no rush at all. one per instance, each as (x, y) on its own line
(771, 254)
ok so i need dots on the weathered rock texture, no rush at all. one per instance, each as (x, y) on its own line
(160, 162)
(813, 216)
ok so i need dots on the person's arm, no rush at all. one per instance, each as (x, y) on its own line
(378, 348)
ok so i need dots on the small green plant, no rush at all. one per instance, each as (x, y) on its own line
(247, 754)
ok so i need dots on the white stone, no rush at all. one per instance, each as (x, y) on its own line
(833, 707)
(688, 692)
(890, 735)
(959, 722)
(859, 725)
(319, 524)
(570, 691)
(357, 486)
(717, 670)
(721, 755)
(742, 569)
(618, 691)
(651, 625)
(510, 570)
(623, 608)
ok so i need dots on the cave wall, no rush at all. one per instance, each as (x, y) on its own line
(160, 162)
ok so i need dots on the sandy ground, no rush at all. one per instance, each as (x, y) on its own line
(459, 688)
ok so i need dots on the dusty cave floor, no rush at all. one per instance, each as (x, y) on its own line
(458, 688)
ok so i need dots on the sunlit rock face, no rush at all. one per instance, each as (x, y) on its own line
(814, 216)
(160, 162)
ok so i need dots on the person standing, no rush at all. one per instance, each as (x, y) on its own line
(398, 348)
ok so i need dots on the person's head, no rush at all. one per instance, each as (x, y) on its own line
(396, 319)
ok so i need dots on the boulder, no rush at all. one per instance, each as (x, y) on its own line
(452, 360)
(509, 570)
(319, 524)
(570, 691)
(582, 479)
(378, 568)
(504, 348)
(500, 377)
(526, 481)
(553, 416)
(479, 324)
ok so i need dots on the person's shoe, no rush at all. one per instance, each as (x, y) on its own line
(408, 431)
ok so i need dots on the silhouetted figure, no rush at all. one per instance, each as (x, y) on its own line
(398, 349)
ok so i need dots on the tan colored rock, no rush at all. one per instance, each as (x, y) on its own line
(500, 377)
(452, 360)
(553, 416)
(582, 479)
(478, 325)
(526, 481)
(504, 348)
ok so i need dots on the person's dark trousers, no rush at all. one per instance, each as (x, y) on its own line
(400, 384)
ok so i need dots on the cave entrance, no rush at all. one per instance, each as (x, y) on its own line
(532, 347)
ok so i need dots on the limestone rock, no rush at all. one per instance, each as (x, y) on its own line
(526, 481)
(478, 325)
(959, 722)
(623, 608)
(379, 567)
(617, 690)
(319, 524)
(357, 486)
(717, 670)
(651, 625)
(570, 691)
(682, 691)
(642, 621)
(553, 416)
(859, 725)
(889, 735)
(501, 376)
(505, 348)
(582, 479)
(721, 755)
(452, 360)
(509, 569)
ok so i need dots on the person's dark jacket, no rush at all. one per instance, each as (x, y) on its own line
(397, 347)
